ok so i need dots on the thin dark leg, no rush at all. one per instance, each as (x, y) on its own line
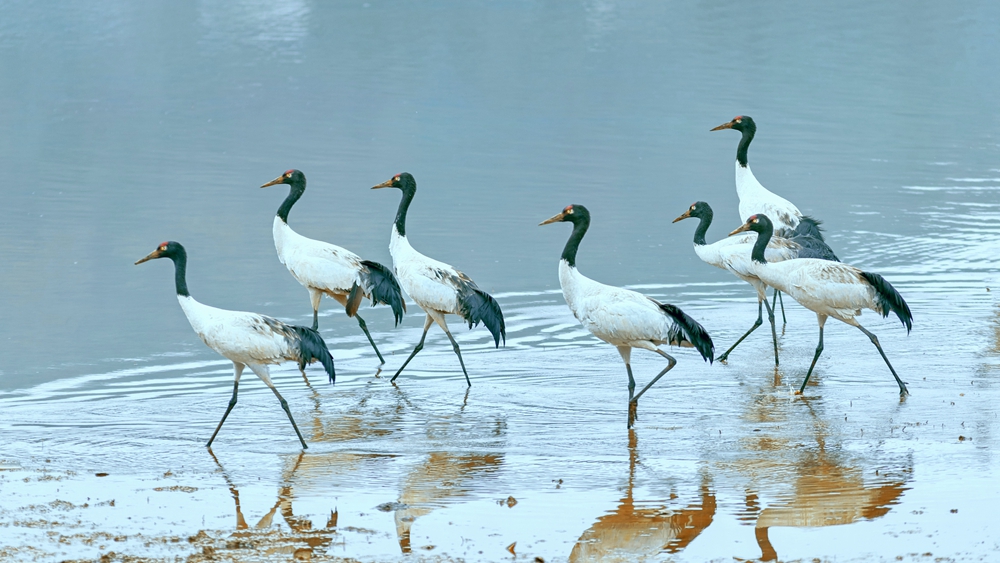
(364, 327)
(284, 405)
(672, 363)
(874, 339)
(819, 350)
(774, 332)
(315, 319)
(774, 303)
(232, 403)
(760, 321)
(420, 346)
(631, 382)
(454, 346)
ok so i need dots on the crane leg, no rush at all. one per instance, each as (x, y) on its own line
(364, 327)
(264, 375)
(315, 297)
(420, 346)
(670, 366)
(774, 332)
(774, 303)
(626, 353)
(819, 350)
(760, 321)
(237, 372)
(440, 320)
(902, 386)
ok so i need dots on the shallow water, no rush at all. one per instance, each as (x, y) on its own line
(132, 124)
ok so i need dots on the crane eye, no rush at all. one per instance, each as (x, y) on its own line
(164, 247)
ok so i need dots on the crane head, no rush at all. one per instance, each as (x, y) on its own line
(292, 177)
(571, 213)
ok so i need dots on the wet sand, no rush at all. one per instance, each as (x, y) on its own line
(724, 461)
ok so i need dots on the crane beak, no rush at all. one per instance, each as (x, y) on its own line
(728, 125)
(150, 256)
(386, 184)
(553, 219)
(682, 217)
(277, 180)
(742, 228)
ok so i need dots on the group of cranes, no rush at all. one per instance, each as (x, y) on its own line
(781, 248)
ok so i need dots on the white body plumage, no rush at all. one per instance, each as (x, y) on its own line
(755, 198)
(430, 283)
(242, 337)
(618, 316)
(827, 288)
(321, 267)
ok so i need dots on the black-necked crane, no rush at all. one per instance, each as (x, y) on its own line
(755, 198)
(829, 289)
(733, 254)
(246, 339)
(624, 318)
(327, 269)
(438, 288)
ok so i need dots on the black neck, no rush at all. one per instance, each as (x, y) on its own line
(741, 151)
(294, 193)
(180, 272)
(763, 237)
(404, 204)
(580, 226)
(705, 221)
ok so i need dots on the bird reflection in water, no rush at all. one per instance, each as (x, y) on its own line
(829, 488)
(430, 485)
(634, 532)
(303, 539)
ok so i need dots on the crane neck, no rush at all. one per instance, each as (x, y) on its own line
(763, 238)
(704, 222)
(580, 226)
(741, 150)
(180, 272)
(408, 192)
(295, 191)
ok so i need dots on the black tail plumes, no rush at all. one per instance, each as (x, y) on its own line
(689, 330)
(809, 227)
(478, 306)
(809, 235)
(382, 286)
(312, 348)
(889, 299)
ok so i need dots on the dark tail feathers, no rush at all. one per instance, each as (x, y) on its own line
(807, 227)
(477, 305)
(382, 286)
(312, 348)
(889, 299)
(689, 330)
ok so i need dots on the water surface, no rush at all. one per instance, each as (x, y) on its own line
(123, 125)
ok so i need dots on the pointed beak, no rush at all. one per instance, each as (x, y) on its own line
(150, 256)
(682, 217)
(386, 184)
(742, 228)
(553, 219)
(277, 180)
(728, 125)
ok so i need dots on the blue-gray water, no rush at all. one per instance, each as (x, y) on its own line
(125, 124)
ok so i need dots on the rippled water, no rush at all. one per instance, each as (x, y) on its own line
(130, 124)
